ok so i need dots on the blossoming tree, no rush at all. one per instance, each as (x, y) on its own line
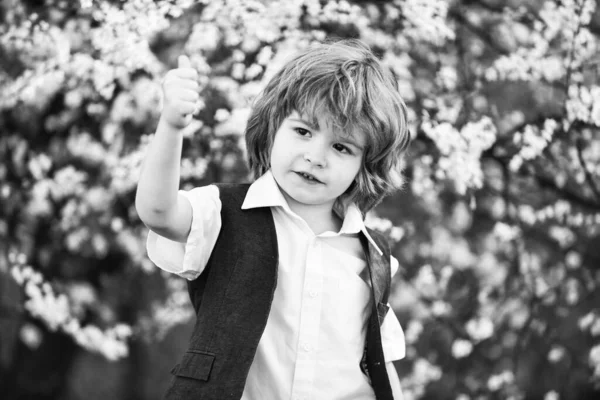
(497, 229)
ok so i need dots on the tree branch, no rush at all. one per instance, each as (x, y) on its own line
(483, 34)
(572, 49)
(588, 176)
(548, 183)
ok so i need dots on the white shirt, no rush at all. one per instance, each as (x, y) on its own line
(315, 333)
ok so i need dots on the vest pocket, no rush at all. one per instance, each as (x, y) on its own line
(195, 365)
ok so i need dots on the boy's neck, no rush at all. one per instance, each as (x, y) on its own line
(320, 218)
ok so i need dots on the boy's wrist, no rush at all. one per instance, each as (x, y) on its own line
(165, 124)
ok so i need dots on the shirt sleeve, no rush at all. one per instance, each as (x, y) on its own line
(394, 381)
(189, 259)
(392, 335)
(392, 338)
(394, 265)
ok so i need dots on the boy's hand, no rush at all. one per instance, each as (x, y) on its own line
(180, 94)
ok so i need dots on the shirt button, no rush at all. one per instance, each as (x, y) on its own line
(306, 347)
(313, 293)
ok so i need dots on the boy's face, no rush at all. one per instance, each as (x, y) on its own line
(330, 158)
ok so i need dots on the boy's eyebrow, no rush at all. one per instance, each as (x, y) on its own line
(305, 122)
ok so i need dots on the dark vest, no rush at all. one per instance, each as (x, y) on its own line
(232, 299)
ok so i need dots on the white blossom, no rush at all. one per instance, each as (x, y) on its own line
(480, 328)
(413, 331)
(125, 169)
(39, 201)
(572, 291)
(175, 310)
(39, 165)
(426, 20)
(67, 181)
(81, 296)
(204, 38)
(461, 151)
(497, 381)
(552, 395)
(425, 371)
(595, 328)
(377, 223)
(573, 260)
(532, 142)
(221, 115)
(83, 146)
(264, 56)
(397, 233)
(583, 104)
(461, 348)
(426, 282)
(556, 354)
(564, 25)
(234, 124)
(440, 308)
(56, 312)
(193, 168)
(594, 355)
(253, 71)
(505, 232)
(448, 77)
(31, 335)
(563, 235)
(586, 321)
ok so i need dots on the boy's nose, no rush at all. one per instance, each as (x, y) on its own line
(315, 158)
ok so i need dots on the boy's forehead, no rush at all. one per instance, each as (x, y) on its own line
(323, 121)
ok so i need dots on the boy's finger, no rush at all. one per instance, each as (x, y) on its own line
(183, 62)
(185, 78)
(187, 94)
(186, 108)
(178, 75)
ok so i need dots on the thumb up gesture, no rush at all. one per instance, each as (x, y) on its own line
(180, 94)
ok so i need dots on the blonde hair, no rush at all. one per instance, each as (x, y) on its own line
(348, 85)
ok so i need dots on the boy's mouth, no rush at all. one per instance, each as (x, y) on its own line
(308, 177)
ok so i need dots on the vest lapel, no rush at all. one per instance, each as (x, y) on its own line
(379, 273)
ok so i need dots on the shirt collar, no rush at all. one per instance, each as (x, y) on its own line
(264, 192)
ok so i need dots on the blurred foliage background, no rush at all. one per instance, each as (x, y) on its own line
(496, 231)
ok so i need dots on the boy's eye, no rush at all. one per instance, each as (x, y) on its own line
(341, 148)
(302, 131)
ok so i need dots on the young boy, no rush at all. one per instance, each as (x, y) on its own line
(290, 288)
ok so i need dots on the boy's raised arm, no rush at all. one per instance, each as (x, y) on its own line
(157, 201)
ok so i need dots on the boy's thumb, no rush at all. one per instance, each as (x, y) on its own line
(183, 62)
